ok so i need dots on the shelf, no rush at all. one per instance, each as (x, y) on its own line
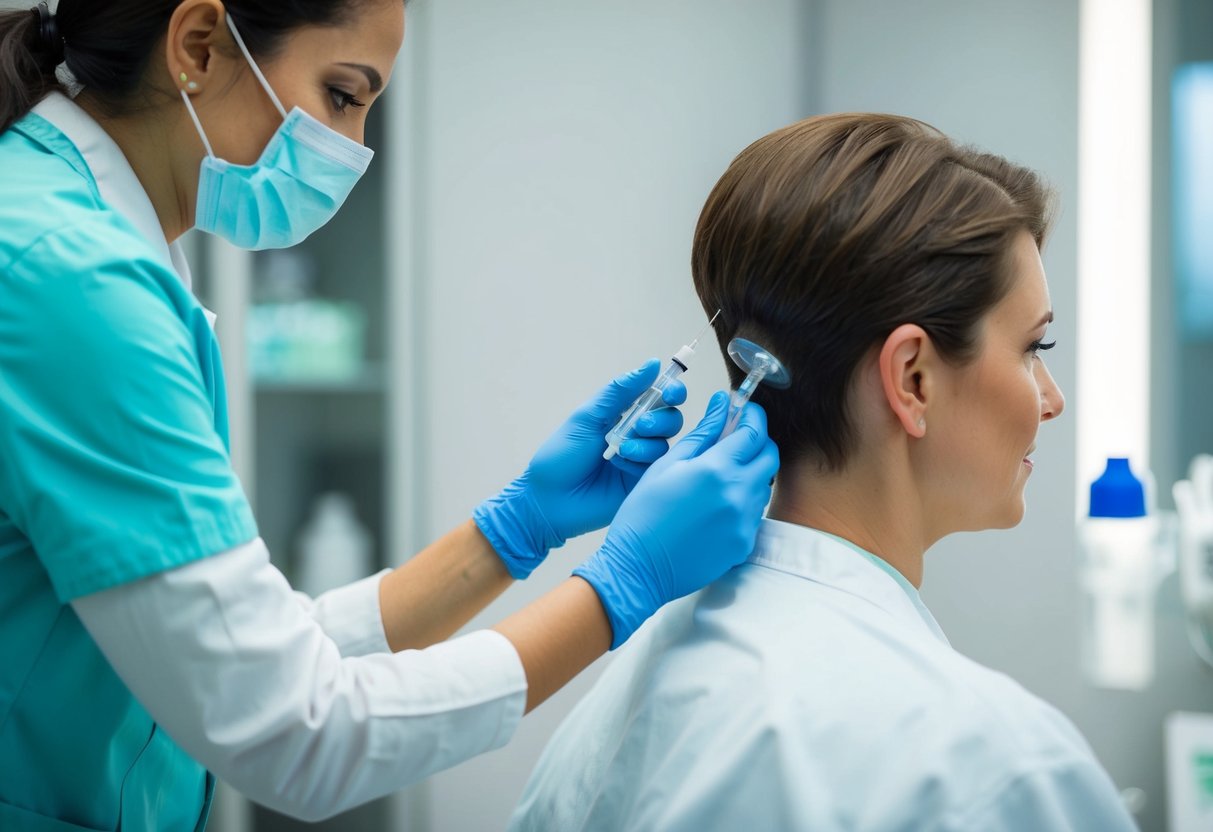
(369, 381)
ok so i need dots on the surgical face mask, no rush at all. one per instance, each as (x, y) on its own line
(302, 178)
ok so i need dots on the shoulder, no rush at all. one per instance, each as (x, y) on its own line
(42, 188)
(53, 222)
(809, 702)
(771, 686)
(1013, 720)
(980, 752)
(79, 265)
(1016, 762)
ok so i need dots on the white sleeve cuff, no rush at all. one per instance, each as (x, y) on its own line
(350, 616)
(479, 668)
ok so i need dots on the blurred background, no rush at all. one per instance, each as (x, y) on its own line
(524, 235)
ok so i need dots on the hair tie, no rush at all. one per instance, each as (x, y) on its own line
(48, 32)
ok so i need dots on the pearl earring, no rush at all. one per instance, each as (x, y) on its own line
(922, 423)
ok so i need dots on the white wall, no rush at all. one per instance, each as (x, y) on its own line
(565, 150)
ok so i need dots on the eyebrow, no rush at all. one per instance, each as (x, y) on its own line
(1047, 319)
(372, 75)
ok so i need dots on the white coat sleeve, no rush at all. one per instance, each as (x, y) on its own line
(349, 615)
(223, 655)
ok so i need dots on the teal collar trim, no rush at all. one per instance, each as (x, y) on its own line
(883, 564)
(902, 581)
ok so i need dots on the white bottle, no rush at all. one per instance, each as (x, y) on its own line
(1118, 573)
(1194, 501)
(334, 549)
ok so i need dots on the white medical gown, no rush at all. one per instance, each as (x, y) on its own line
(810, 689)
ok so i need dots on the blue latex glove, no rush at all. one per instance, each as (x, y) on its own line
(568, 488)
(693, 516)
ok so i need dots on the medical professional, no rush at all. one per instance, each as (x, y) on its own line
(145, 639)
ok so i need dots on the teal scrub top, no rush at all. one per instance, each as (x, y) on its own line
(115, 466)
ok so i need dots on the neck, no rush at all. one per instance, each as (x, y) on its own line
(875, 506)
(147, 141)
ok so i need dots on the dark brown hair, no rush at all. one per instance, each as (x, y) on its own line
(107, 45)
(823, 237)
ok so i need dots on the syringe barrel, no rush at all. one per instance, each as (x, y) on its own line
(647, 401)
(672, 371)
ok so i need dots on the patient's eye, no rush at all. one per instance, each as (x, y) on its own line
(1037, 346)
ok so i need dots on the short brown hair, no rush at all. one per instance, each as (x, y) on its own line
(825, 236)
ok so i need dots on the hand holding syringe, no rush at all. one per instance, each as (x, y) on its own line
(652, 397)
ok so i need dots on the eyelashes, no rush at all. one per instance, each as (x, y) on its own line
(342, 100)
(1037, 346)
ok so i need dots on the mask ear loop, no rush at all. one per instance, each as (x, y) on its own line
(189, 105)
(253, 64)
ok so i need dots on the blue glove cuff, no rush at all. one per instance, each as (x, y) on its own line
(516, 529)
(624, 596)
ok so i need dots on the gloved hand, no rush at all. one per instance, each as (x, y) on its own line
(694, 516)
(568, 488)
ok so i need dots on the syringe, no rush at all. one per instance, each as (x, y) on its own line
(652, 397)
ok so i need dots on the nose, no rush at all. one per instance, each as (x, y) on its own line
(1052, 401)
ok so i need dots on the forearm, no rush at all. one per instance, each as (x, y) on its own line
(447, 583)
(440, 589)
(557, 637)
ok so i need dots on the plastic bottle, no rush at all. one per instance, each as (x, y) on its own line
(1118, 574)
(1194, 501)
(334, 549)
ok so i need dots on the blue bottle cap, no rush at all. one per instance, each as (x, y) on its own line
(1117, 493)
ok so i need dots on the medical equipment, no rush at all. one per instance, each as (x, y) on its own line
(1127, 549)
(760, 366)
(334, 549)
(651, 398)
(1189, 771)
(1194, 502)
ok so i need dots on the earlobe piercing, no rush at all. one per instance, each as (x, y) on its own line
(189, 85)
(922, 423)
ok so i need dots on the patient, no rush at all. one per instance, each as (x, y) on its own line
(898, 277)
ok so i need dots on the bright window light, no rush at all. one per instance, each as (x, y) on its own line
(1114, 122)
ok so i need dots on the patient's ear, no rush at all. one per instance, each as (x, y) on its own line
(904, 365)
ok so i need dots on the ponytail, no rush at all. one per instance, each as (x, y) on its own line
(107, 46)
(30, 49)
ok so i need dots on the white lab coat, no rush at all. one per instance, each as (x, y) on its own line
(299, 704)
(811, 689)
